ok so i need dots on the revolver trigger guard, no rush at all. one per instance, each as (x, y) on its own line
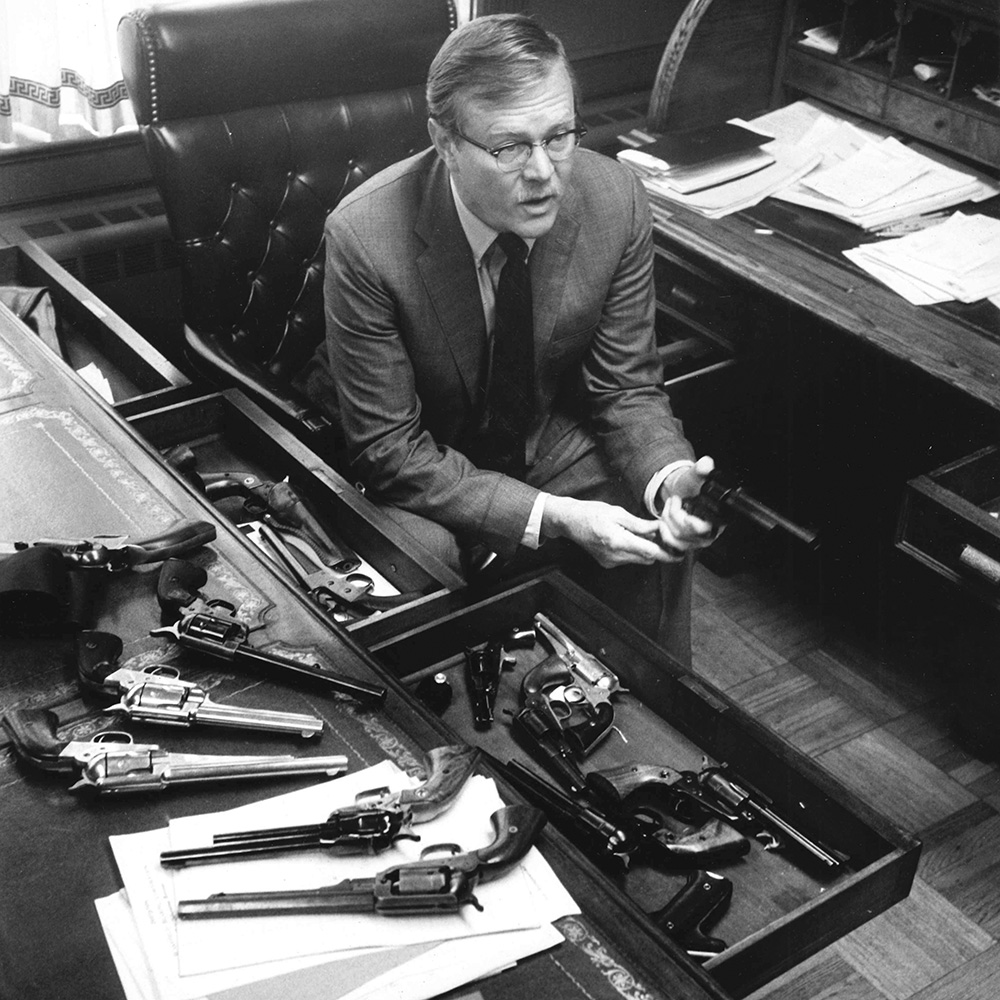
(371, 796)
(118, 736)
(440, 850)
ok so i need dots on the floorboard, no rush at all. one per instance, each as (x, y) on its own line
(877, 712)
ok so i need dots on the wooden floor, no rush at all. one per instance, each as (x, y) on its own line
(879, 714)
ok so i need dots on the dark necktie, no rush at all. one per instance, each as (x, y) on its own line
(509, 402)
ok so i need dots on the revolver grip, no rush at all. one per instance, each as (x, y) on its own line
(178, 585)
(33, 733)
(516, 828)
(97, 656)
(686, 915)
(181, 537)
(449, 767)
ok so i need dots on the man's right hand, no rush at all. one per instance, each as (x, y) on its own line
(611, 535)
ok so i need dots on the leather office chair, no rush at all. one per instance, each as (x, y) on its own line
(258, 116)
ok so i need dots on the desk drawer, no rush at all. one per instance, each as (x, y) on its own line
(91, 333)
(949, 126)
(864, 95)
(949, 522)
(228, 432)
(781, 912)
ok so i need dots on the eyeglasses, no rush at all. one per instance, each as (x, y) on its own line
(514, 155)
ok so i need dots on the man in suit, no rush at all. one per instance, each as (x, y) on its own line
(418, 318)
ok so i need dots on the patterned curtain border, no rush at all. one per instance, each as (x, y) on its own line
(40, 93)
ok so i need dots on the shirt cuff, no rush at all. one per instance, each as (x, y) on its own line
(653, 487)
(532, 536)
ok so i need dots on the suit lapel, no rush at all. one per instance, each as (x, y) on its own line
(449, 276)
(550, 258)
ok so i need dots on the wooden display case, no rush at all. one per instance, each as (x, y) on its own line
(226, 431)
(783, 909)
(91, 333)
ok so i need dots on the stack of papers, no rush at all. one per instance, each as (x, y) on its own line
(693, 159)
(956, 259)
(770, 167)
(328, 956)
(866, 178)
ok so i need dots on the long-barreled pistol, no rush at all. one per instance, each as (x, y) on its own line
(116, 553)
(157, 693)
(215, 631)
(112, 763)
(713, 790)
(415, 888)
(378, 818)
(632, 833)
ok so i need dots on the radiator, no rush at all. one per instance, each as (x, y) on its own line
(119, 246)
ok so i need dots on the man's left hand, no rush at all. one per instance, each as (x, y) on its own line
(681, 532)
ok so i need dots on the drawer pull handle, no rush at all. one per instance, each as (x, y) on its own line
(681, 295)
(981, 563)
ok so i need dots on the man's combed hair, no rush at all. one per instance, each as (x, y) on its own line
(492, 58)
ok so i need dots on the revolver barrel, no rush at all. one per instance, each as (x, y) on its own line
(740, 800)
(153, 770)
(180, 703)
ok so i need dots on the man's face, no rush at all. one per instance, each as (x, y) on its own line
(524, 201)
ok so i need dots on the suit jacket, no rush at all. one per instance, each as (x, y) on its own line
(408, 350)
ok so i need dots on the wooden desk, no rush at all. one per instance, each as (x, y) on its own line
(74, 468)
(797, 263)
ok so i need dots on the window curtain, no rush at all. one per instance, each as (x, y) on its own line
(59, 72)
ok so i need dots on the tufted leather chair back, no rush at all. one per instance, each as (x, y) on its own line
(258, 116)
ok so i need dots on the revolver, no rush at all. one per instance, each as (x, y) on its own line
(621, 836)
(712, 790)
(115, 554)
(113, 763)
(51, 584)
(719, 500)
(157, 693)
(327, 572)
(484, 667)
(209, 627)
(414, 888)
(377, 820)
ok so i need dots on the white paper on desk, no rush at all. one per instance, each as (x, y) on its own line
(915, 292)
(204, 945)
(430, 972)
(151, 908)
(791, 164)
(957, 259)
(126, 948)
(958, 245)
(149, 887)
(874, 172)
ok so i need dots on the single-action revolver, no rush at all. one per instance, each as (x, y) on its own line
(414, 888)
(378, 818)
(112, 763)
(715, 790)
(214, 631)
(157, 693)
(115, 553)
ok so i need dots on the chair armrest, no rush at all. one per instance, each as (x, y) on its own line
(214, 356)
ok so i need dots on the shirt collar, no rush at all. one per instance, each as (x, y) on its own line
(479, 235)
